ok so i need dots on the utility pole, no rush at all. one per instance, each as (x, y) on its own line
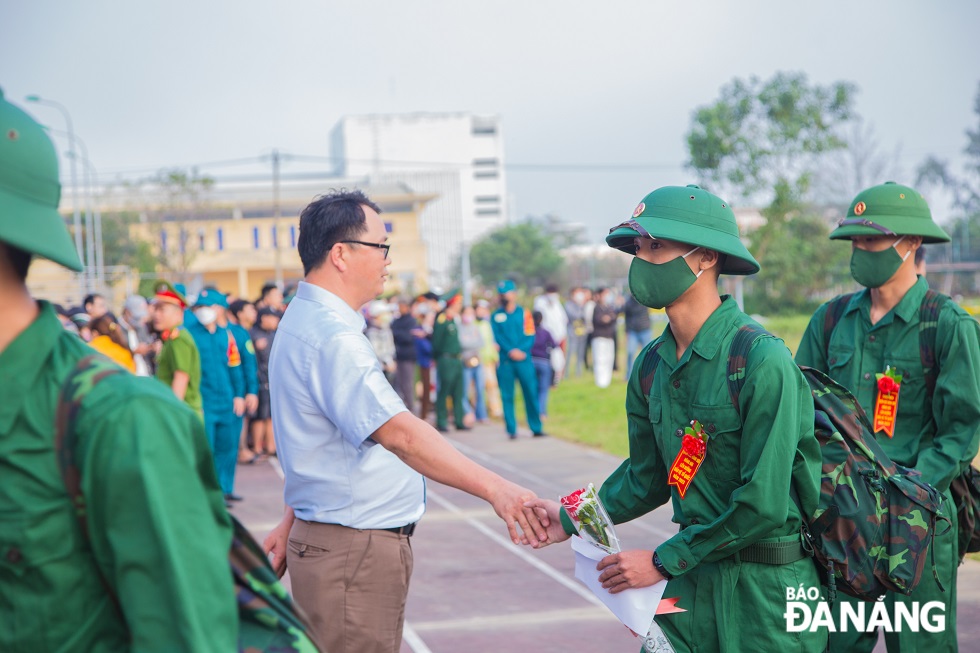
(277, 213)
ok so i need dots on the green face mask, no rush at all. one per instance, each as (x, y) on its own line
(660, 284)
(874, 269)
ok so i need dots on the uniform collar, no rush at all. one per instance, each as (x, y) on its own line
(906, 309)
(709, 338)
(22, 361)
(324, 297)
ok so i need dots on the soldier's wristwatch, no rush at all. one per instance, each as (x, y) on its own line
(659, 566)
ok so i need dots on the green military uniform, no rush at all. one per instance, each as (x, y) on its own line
(180, 354)
(760, 472)
(158, 532)
(446, 351)
(937, 435)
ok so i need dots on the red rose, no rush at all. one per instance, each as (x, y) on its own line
(573, 500)
(887, 385)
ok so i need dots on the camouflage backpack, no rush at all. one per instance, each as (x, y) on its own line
(268, 618)
(965, 488)
(875, 519)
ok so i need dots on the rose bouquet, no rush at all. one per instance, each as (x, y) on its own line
(591, 519)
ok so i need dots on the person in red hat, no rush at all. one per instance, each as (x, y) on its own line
(179, 362)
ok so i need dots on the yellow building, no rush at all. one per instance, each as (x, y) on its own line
(235, 243)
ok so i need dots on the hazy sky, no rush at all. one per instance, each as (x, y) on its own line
(157, 84)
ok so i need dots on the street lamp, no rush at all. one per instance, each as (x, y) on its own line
(76, 217)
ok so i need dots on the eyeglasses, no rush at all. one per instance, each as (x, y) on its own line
(383, 246)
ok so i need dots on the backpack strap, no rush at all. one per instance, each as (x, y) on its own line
(738, 357)
(89, 371)
(932, 305)
(648, 368)
(835, 311)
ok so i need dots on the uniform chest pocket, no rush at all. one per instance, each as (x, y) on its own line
(723, 459)
(911, 394)
(28, 544)
(838, 359)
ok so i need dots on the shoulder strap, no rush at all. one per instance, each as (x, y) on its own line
(835, 311)
(932, 305)
(649, 367)
(89, 371)
(738, 357)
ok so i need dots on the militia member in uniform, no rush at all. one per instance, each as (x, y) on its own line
(151, 572)
(513, 331)
(179, 361)
(934, 360)
(446, 351)
(739, 480)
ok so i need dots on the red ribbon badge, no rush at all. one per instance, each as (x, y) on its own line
(693, 451)
(886, 405)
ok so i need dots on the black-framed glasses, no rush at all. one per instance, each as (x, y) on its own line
(386, 247)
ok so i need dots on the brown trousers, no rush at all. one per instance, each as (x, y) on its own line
(352, 584)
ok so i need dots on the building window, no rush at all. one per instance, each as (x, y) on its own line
(484, 162)
(487, 199)
(221, 239)
(485, 174)
(388, 227)
(275, 238)
(200, 240)
(163, 241)
(486, 212)
(183, 240)
(255, 237)
(484, 127)
(292, 235)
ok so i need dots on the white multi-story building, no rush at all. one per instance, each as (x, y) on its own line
(458, 156)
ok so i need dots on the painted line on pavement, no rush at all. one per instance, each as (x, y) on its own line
(410, 637)
(496, 537)
(497, 623)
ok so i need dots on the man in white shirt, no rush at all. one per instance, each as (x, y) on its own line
(352, 455)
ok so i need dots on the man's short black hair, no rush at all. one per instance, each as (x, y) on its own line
(237, 306)
(266, 289)
(19, 260)
(920, 254)
(551, 287)
(328, 220)
(90, 298)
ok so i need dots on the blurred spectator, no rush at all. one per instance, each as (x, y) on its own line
(271, 297)
(423, 352)
(138, 336)
(95, 305)
(222, 386)
(446, 351)
(471, 344)
(64, 316)
(81, 320)
(263, 334)
(378, 332)
(109, 340)
(555, 320)
(579, 325)
(513, 331)
(179, 361)
(404, 330)
(603, 337)
(637, 329)
(240, 311)
(544, 343)
(489, 356)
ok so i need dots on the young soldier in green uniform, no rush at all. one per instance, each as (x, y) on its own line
(151, 573)
(741, 488)
(878, 332)
(513, 331)
(179, 361)
(449, 368)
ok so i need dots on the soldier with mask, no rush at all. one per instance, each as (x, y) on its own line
(222, 386)
(931, 354)
(740, 480)
(150, 570)
(513, 331)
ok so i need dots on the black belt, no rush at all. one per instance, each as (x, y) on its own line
(770, 553)
(402, 530)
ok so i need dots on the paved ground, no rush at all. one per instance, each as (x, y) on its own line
(473, 590)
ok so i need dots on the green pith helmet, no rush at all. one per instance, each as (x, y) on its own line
(889, 210)
(688, 215)
(30, 190)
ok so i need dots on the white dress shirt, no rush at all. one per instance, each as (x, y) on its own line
(328, 396)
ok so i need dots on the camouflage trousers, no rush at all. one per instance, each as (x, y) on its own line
(947, 561)
(736, 607)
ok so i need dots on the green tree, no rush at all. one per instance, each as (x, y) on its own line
(185, 192)
(964, 189)
(522, 252)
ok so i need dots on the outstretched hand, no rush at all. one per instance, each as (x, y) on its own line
(548, 514)
(508, 501)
